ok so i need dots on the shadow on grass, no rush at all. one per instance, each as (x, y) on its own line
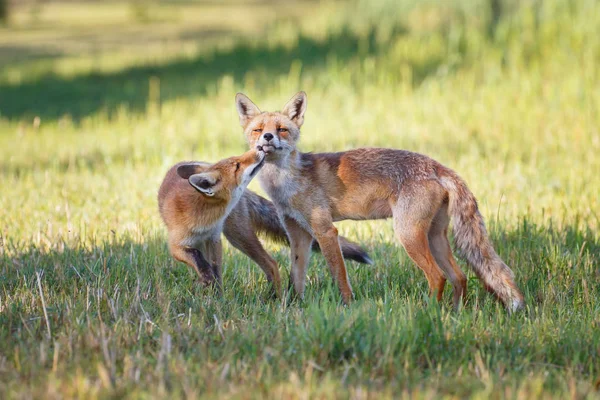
(127, 297)
(53, 96)
(144, 272)
(551, 264)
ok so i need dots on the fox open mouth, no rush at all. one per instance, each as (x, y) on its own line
(267, 148)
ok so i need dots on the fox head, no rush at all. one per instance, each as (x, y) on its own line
(222, 180)
(274, 133)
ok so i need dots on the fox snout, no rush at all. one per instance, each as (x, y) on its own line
(268, 143)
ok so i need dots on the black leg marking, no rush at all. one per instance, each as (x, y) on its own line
(208, 273)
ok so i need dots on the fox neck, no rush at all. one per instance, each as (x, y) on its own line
(289, 163)
(282, 160)
(279, 177)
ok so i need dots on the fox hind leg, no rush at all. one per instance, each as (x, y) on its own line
(245, 240)
(442, 252)
(413, 213)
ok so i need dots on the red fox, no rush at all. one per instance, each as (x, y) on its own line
(311, 191)
(197, 201)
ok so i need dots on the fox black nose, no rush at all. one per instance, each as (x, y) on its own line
(268, 136)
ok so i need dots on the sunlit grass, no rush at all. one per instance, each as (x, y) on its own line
(85, 141)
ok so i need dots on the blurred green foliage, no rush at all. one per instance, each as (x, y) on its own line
(96, 104)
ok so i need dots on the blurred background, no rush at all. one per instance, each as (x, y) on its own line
(91, 88)
(95, 93)
(99, 98)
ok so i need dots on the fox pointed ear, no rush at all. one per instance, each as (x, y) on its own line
(295, 108)
(204, 182)
(188, 169)
(245, 108)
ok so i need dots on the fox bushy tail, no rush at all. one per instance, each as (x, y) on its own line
(266, 222)
(472, 241)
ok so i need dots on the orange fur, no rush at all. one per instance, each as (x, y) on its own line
(196, 216)
(195, 219)
(312, 191)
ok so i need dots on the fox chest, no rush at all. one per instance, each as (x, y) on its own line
(285, 193)
(206, 225)
(203, 233)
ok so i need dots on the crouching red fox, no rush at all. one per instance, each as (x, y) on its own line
(198, 201)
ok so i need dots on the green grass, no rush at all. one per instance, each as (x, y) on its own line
(92, 305)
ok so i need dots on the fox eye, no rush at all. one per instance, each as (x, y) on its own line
(237, 166)
(257, 130)
(282, 129)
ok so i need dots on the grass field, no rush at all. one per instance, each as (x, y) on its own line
(97, 100)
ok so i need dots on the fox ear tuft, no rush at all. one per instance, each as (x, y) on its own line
(246, 109)
(295, 108)
(204, 182)
(188, 169)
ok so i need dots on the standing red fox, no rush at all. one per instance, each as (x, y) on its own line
(197, 201)
(311, 191)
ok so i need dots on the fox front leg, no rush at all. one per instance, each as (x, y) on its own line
(327, 236)
(214, 255)
(300, 247)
